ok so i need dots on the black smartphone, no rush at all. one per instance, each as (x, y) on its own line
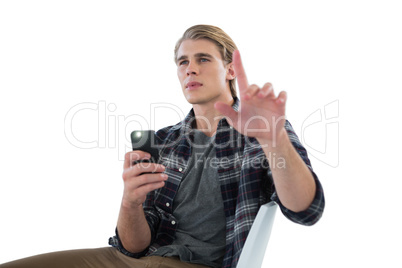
(145, 140)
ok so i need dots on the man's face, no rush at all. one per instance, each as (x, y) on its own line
(203, 75)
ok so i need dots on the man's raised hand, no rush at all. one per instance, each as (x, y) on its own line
(261, 114)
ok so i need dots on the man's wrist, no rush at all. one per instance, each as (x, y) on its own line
(130, 206)
(276, 143)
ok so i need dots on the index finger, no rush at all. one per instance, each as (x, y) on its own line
(239, 71)
(132, 156)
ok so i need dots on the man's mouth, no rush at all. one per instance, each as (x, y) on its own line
(193, 85)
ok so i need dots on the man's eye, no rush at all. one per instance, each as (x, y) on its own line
(203, 60)
(183, 62)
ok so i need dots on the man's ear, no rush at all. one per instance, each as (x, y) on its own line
(230, 75)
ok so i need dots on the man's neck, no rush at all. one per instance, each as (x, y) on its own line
(207, 117)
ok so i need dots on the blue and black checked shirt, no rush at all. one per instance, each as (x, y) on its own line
(245, 182)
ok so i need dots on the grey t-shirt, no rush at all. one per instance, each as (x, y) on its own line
(198, 207)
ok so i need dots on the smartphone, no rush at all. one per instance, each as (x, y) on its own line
(145, 140)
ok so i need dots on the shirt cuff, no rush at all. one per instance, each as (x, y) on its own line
(116, 243)
(312, 214)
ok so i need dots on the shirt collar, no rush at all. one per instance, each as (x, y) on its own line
(189, 119)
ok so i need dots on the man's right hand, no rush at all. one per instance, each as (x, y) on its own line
(140, 178)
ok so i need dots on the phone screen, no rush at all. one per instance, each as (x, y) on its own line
(145, 140)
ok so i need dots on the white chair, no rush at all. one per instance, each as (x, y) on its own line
(257, 240)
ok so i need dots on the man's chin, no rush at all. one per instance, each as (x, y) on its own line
(196, 100)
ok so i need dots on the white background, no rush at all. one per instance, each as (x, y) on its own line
(55, 55)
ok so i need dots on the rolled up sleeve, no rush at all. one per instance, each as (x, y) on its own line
(312, 214)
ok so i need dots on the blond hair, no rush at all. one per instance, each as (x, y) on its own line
(225, 44)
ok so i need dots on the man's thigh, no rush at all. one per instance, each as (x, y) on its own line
(168, 262)
(107, 257)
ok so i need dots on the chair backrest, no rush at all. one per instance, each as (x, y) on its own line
(256, 243)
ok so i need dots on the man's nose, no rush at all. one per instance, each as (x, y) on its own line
(192, 68)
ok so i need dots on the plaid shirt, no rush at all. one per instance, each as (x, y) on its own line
(245, 179)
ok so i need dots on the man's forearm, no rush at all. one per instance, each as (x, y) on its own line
(294, 182)
(133, 229)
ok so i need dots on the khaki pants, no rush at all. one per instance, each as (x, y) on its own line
(96, 258)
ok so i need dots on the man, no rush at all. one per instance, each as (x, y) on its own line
(217, 167)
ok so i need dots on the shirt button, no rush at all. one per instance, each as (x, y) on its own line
(167, 204)
(173, 222)
(180, 169)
